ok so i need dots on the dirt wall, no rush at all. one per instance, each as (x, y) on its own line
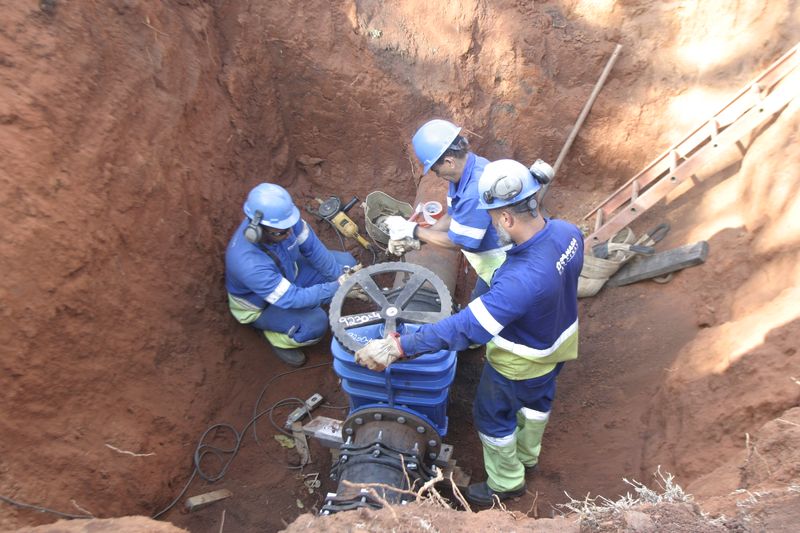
(131, 130)
(127, 147)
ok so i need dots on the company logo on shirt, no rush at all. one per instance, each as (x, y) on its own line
(567, 256)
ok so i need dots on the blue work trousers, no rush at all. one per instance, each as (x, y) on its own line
(307, 323)
(498, 399)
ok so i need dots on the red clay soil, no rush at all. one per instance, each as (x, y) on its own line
(131, 131)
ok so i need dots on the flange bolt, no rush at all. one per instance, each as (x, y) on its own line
(401, 419)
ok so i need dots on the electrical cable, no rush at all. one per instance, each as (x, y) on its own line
(43, 509)
(264, 390)
(202, 450)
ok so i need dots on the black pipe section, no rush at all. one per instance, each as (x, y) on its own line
(385, 449)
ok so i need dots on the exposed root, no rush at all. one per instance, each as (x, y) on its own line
(753, 451)
(370, 488)
(81, 509)
(458, 495)
(126, 452)
(594, 510)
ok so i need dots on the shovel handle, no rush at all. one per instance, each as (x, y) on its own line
(644, 250)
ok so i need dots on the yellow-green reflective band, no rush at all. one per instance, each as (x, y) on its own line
(242, 310)
(282, 340)
(517, 367)
(485, 263)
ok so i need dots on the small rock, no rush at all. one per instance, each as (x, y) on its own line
(638, 522)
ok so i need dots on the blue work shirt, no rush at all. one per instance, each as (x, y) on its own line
(470, 228)
(252, 274)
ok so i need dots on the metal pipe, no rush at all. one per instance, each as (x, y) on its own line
(441, 261)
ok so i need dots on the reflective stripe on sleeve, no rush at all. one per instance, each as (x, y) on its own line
(303, 234)
(449, 202)
(484, 317)
(527, 351)
(467, 231)
(279, 291)
(533, 414)
(497, 441)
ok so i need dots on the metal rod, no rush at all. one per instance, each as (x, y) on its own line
(586, 108)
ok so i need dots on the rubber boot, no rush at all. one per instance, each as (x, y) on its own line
(506, 475)
(529, 440)
(285, 348)
(480, 494)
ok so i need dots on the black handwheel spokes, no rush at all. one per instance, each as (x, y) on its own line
(429, 305)
(372, 290)
(410, 289)
(418, 317)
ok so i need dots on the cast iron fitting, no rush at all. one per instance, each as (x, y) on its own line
(388, 449)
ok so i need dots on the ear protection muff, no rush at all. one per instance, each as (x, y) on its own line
(533, 206)
(253, 231)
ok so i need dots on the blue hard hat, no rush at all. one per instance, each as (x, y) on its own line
(275, 205)
(432, 140)
(505, 182)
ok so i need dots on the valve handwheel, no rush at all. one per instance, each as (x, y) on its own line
(389, 308)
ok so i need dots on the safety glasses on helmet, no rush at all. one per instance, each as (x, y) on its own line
(505, 188)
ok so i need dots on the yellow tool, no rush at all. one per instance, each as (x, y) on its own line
(332, 211)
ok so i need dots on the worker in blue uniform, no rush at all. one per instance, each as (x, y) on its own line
(278, 273)
(442, 149)
(528, 320)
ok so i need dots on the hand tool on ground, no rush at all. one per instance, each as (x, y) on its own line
(336, 214)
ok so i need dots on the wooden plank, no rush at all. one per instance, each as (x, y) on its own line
(202, 500)
(660, 264)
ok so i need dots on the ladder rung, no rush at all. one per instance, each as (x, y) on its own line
(757, 91)
(635, 191)
(598, 222)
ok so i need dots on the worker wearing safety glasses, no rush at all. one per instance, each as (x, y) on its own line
(278, 274)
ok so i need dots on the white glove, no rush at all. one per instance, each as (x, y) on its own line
(357, 293)
(380, 353)
(400, 228)
(399, 247)
(348, 271)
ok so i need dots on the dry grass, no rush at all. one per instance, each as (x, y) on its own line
(595, 510)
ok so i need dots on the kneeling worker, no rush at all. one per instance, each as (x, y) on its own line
(528, 320)
(278, 273)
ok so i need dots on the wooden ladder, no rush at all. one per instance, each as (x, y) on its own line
(753, 106)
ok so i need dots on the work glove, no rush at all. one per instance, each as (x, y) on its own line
(357, 293)
(348, 271)
(380, 353)
(401, 246)
(400, 228)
